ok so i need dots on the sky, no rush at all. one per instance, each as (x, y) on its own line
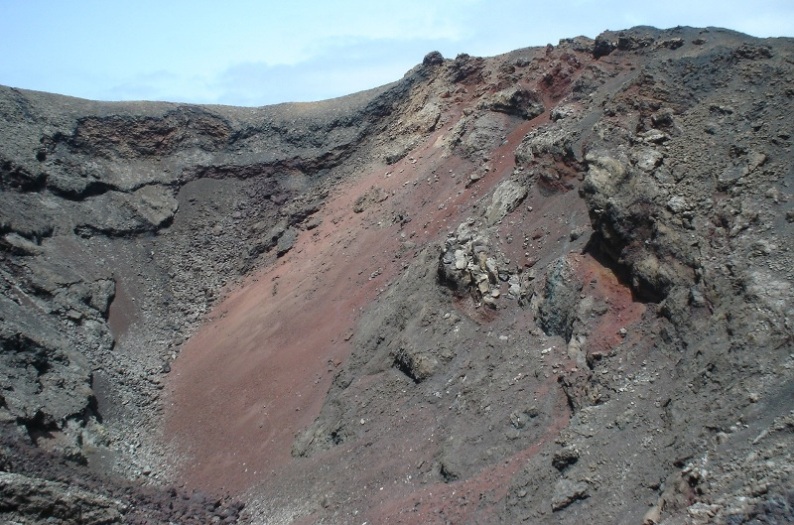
(253, 53)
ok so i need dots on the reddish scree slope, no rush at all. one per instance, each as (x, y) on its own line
(258, 371)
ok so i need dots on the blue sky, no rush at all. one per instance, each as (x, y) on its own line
(253, 53)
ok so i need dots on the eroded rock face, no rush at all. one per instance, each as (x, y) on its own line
(552, 286)
(517, 101)
(117, 231)
(469, 265)
(28, 498)
(557, 311)
(506, 198)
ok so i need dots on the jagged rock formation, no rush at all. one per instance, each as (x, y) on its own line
(551, 286)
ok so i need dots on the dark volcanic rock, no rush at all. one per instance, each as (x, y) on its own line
(28, 498)
(517, 101)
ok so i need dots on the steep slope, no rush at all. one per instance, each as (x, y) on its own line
(549, 286)
(120, 224)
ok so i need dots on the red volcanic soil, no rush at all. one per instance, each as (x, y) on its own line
(624, 310)
(257, 373)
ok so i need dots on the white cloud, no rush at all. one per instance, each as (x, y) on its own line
(342, 68)
(301, 31)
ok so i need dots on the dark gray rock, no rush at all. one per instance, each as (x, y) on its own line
(565, 458)
(28, 499)
(516, 101)
(557, 310)
(567, 492)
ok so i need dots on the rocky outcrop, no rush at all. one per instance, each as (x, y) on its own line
(505, 199)
(26, 499)
(469, 265)
(516, 101)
